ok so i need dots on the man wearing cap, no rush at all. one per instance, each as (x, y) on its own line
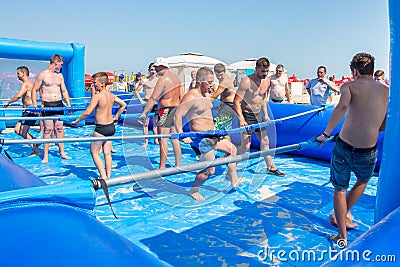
(168, 92)
(121, 86)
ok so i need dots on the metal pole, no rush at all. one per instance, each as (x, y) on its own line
(208, 164)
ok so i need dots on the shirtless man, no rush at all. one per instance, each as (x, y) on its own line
(168, 92)
(148, 86)
(226, 110)
(196, 105)
(102, 103)
(52, 88)
(25, 93)
(250, 101)
(355, 149)
(279, 87)
(193, 82)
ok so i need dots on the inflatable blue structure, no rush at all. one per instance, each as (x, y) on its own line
(73, 54)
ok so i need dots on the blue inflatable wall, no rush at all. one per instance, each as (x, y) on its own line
(73, 54)
(388, 197)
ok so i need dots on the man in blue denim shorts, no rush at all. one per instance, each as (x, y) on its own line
(364, 101)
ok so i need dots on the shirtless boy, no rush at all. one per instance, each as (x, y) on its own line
(365, 102)
(25, 93)
(168, 92)
(196, 105)
(250, 102)
(102, 104)
(52, 88)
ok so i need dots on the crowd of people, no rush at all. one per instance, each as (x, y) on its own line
(164, 96)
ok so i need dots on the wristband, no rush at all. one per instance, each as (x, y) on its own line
(326, 136)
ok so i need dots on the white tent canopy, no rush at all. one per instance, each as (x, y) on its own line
(194, 60)
(185, 63)
(241, 68)
(251, 64)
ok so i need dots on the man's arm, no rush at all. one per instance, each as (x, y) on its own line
(22, 91)
(383, 125)
(308, 86)
(92, 105)
(264, 99)
(122, 106)
(138, 89)
(287, 90)
(244, 84)
(153, 98)
(64, 92)
(220, 89)
(264, 107)
(332, 85)
(181, 111)
(36, 86)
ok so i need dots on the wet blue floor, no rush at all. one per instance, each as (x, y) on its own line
(230, 228)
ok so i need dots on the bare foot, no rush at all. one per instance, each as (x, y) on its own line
(64, 156)
(156, 142)
(145, 145)
(349, 220)
(45, 161)
(194, 193)
(235, 181)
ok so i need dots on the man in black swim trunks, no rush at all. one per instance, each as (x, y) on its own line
(250, 102)
(52, 88)
(196, 105)
(102, 104)
(25, 93)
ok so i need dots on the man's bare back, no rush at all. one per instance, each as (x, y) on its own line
(367, 106)
(168, 90)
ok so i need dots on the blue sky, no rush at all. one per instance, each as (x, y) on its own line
(129, 34)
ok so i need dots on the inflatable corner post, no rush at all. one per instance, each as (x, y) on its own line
(73, 54)
(388, 197)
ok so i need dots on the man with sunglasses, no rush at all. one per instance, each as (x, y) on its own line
(318, 88)
(279, 88)
(197, 105)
